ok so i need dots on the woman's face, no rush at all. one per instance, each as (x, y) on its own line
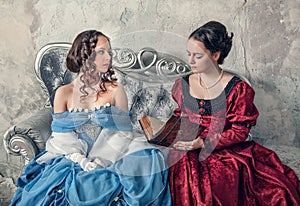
(200, 59)
(103, 54)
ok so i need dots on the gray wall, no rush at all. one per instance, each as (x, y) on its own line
(266, 48)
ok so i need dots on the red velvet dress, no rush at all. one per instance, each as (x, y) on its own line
(229, 170)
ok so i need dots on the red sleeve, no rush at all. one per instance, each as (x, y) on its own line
(177, 96)
(241, 114)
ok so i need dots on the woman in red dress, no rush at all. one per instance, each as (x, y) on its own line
(222, 167)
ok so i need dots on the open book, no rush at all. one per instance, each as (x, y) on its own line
(167, 133)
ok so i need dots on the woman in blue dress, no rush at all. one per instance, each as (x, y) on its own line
(93, 156)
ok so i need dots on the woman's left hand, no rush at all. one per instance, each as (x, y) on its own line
(189, 145)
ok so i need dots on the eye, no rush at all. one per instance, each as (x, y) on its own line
(110, 53)
(100, 51)
(198, 56)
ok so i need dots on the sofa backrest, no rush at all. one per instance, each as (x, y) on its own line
(147, 76)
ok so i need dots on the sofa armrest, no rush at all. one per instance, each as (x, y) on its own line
(28, 137)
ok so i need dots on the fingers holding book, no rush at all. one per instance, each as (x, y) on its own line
(189, 145)
(176, 129)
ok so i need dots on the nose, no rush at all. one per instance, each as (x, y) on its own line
(191, 59)
(107, 56)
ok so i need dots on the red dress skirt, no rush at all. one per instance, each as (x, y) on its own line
(229, 170)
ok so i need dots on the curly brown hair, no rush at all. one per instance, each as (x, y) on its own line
(81, 58)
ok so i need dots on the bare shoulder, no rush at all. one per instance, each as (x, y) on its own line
(64, 91)
(119, 91)
(115, 86)
(61, 97)
(119, 96)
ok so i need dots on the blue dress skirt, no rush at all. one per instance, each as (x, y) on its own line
(137, 178)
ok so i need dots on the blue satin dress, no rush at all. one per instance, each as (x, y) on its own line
(63, 182)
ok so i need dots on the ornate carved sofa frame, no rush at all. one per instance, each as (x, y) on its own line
(147, 76)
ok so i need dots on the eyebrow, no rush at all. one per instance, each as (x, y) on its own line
(102, 48)
(194, 53)
(99, 48)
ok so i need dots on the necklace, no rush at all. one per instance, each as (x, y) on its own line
(214, 84)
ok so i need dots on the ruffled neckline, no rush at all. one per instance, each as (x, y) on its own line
(88, 111)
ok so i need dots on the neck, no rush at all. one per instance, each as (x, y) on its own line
(92, 89)
(211, 85)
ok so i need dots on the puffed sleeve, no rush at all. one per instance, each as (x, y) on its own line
(177, 95)
(241, 115)
(63, 143)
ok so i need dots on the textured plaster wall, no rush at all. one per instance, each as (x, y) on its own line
(266, 49)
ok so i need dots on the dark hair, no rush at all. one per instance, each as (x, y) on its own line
(214, 36)
(81, 57)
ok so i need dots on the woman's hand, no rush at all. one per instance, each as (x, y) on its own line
(84, 162)
(189, 145)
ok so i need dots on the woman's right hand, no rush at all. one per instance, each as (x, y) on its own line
(89, 166)
(189, 145)
(84, 162)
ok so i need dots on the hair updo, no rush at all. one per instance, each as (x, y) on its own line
(82, 49)
(81, 57)
(214, 36)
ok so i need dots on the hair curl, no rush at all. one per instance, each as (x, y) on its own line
(214, 36)
(81, 57)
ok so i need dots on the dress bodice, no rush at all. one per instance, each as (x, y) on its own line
(207, 106)
(231, 114)
(110, 117)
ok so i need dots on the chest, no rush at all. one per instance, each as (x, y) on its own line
(91, 101)
(200, 92)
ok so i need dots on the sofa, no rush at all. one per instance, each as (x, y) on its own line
(147, 76)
